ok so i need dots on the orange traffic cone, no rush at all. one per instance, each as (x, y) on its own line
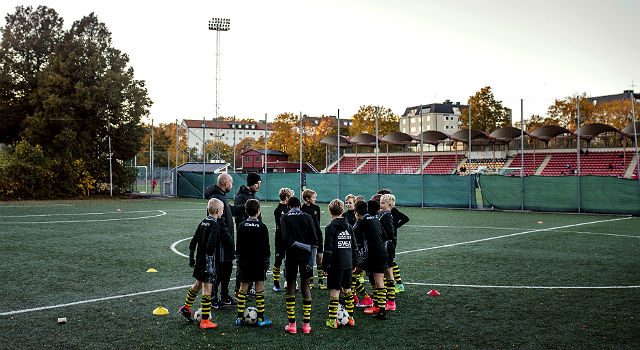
(433, 293)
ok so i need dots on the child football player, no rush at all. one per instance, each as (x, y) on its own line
(281, 209)
(389, 230)
(338, 262)
(349, 214)
(310, 207)
(252, 249)
(357, 279)
(204, 240)
(399, 219)
(370, 228)
(301, 242)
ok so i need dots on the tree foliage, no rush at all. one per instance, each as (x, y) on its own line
(68, 92)
(487, 114)
(365, 121)
(613, 112)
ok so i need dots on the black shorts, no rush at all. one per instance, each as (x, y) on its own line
(200, 273)
(376, 265)
(251, 272)
(293, 266)
(391, 253)
(338, 279)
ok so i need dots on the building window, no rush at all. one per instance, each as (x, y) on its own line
(413, 129)
(428, 118)
(404, 121)
(428, 127)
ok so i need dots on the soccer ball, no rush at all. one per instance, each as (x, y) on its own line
(198, 315)
(343, 316)
(250, 316)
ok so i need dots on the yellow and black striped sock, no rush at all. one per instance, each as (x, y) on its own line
(396, 273)
(191, 297)
(348, 298)
(291, 308)
(320, 277)
(353, 282)
(333, 308)
(206, 306)
(391, 289)
(360, 289)
(306, 310)
(381, 298)
(242, 302)
(260, 303)
(276, 274)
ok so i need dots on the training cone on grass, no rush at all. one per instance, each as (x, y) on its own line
(152, 270)
(160, 311)
(541, 222)
(433, 293)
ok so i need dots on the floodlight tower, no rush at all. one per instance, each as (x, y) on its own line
(219, 25)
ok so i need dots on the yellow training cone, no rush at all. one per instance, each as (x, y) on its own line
(160, 311)
(152, 270)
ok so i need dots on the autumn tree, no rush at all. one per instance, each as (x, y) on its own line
(487, 113)
(365, 121)
(285, 136)
(566, 111)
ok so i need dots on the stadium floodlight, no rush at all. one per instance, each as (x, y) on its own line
(219, 25)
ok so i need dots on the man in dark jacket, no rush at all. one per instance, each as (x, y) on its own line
(225, 254)
(244, 194)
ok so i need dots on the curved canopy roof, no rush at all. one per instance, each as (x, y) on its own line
(507, 134)
(432, 137)
(332, 140)
(364, 139)
(628, 130)
(397, 138)
(462, 135)
(589, 131)
(547, 132)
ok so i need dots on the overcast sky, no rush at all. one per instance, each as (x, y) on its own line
(317, 57)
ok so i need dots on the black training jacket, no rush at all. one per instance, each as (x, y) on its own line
(314, 211)
(243, 195)
(297, 226)
(206, 232)
(225, 251)
(339, 244)
(371, 230)
(252, 245)
(280, 210)
(399, 218)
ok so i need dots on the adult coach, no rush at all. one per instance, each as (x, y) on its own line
(225, 254)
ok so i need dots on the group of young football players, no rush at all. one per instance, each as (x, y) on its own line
(360, 240)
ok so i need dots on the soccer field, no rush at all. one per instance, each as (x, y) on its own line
(507, 280)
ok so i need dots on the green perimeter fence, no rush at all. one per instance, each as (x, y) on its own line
(589, 194)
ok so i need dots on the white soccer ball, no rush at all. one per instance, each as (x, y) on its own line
(343, 316)
(250, 316)
(198, 315)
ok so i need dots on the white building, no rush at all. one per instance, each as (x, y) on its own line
(435, 116)
(228, 131)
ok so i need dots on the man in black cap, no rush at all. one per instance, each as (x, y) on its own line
(244, 194)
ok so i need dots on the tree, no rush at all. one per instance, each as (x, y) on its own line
(28, 40)
(536, 121)
(285, 135)
(487, 114)
(365, 121)
(566, 111)
(85, 95)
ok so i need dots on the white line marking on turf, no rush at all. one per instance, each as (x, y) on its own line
(517, 287)
(36, 205)
(173, 247)
(161, 213)
(513, 235)
(448, 226)
(8, 313)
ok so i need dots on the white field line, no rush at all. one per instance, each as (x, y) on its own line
(513, 235)
(517, 287)
(173, 247)
(36, 205)
(80, 214)
(161, 213)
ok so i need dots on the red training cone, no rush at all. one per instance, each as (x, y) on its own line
(433, 293)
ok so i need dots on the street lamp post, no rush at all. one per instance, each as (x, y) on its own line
(219, 25)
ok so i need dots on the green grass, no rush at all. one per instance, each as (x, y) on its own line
(46, 264)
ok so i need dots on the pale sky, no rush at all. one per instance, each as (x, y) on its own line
(316, 57)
